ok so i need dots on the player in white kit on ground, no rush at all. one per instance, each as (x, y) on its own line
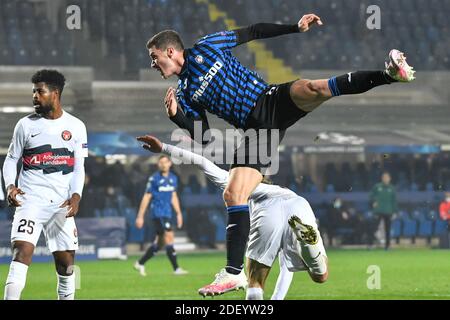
(52, 145)
(281, 223)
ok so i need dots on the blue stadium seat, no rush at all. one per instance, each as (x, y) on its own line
(218, 219)
(98, 213)
(135, 234)
(429, 186)
(425, 228)
(396, 228)
(409, 228)
(187, 190)
(402, 214)
(130, 214)
(110, 212)
(440, 227)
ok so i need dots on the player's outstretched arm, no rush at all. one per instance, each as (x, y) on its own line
(184, 120)
(214, 173)
(270, 30)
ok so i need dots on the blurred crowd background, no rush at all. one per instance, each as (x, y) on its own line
(111, 88)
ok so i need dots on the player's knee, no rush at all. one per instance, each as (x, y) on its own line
(64, 270)
(64, 264)
(233, 198)
(22, 255)
(316, 88)
(320, 278)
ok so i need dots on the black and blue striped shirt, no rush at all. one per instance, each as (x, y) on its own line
(213, 80)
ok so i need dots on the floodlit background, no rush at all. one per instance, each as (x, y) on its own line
(340, 150)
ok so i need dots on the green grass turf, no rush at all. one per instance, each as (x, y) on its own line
(405, 274)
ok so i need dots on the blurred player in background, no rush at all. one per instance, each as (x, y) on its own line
(212, 79)
(161, 193)
(52, 145)
(281, 223)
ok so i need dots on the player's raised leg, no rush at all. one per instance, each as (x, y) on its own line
(64, 264)
(309, 94)
(257, 274)
(17, 276)
(312, 251)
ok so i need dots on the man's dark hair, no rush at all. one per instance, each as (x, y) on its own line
(164, 39)
(52, 78)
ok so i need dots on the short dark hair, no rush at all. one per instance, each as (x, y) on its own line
(52, 78)
(165, 38)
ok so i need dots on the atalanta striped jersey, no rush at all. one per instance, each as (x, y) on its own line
(212, 79)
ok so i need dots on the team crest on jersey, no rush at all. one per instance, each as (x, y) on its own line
(199, 59)
(66, 135)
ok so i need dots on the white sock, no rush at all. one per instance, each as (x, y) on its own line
(15, 282)
(284, 280)
(66, 287)
(255, 294)
(313, 256)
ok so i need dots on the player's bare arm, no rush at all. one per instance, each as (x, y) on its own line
(142, 209)
(177, 208)
(12, 192)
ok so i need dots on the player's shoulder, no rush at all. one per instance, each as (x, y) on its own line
(73, 119)
(216, 36)
(26, 121)
(173, 176)
(153, 176)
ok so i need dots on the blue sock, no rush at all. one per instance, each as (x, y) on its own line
(238, 229)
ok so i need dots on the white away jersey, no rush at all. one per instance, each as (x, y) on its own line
(49, 150)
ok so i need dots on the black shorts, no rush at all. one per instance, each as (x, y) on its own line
(266, 126)
(275, 109)
(162, 225)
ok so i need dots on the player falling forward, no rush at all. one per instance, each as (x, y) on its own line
(212, 79)
(281, 223)
(161, 193)
(52, 144)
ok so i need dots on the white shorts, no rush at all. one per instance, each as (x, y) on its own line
(270, 232)
(33, 217)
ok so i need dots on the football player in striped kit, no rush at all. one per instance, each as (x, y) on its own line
(212, 79)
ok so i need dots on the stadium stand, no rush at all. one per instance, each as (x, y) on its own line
(31, 35)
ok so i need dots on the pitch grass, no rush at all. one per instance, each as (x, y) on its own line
(405, 274)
